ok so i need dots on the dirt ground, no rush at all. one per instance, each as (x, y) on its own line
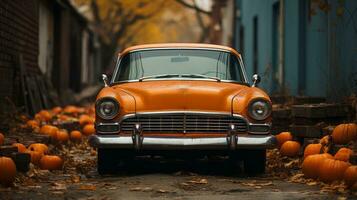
(162, 179)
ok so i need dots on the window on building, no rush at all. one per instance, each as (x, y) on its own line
(255, 44)
(241, 39)
(275, 47)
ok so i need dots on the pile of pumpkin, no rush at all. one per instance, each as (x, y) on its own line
(318, 163)
(45, 122)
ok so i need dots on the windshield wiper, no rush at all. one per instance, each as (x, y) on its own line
(159, 76)
(200, 76)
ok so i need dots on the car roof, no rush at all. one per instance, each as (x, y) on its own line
(178, 45)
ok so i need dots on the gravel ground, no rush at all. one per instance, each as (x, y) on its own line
(158, 179)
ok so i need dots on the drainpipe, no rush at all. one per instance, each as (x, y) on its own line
(281, 70)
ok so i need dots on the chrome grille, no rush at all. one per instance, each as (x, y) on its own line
(183, 123)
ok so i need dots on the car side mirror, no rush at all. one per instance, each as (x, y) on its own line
(256, 80)
(105, 80)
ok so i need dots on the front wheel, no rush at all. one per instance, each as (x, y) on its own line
(254, 162)
(107, 161)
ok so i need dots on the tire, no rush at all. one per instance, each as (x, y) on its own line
(254, 162)
(107, 161)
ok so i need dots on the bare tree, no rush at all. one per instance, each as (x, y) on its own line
(198, 12)
(114, 25)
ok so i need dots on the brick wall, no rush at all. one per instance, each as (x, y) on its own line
(18, 35)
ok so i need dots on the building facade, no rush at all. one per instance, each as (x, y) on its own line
(300, 47)
(46, 48)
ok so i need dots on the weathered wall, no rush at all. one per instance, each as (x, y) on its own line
(18, 35)
(319, 46)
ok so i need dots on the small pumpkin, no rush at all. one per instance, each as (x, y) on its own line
(51, 162)
(39, 147)
(56, 110)
(72, 110)
(2, 139)
(290, 148)
(88, 129)
(332, 170)
(23, 118)
(7, 171)
(20, 147)
(85, 119)
(32, 124)
(91, 111)
(311, 164)
(283, 137)
(344, 133)
(45, 115)
(76, 135)
(343, 154)
(81, 109)
(62, 135)
(35, 156)
(63, 117)
(312, 149)
(350, 176)
(49, 130)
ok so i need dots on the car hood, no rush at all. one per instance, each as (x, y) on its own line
(206, 96)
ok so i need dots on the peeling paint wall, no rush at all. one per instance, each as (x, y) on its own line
(320, 45)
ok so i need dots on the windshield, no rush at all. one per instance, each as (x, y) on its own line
(179, 63)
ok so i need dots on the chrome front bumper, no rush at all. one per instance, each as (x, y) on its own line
(168, 143)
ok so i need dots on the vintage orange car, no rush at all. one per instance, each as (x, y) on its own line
(182, 98)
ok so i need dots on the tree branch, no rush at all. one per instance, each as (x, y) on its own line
(95, 10)
(194, 6)
(204, 28)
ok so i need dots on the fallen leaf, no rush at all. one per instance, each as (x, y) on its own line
(58, 186)
(200, 181)
(162, 191)
(311, 183)
(87, 187)
(76, 179)
(144, 189)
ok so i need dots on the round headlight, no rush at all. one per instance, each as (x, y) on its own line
(259, 109)
(107, 108)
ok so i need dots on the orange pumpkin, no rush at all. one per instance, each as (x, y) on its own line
(49, 130)
(51, 162)
(45, 115)
(7, 171)
(344, 133)
(312, 149)
(73, 110)
(311, 164)
(2, 138)
(20, 147)
(350, 176)
(23, 118)
(39, 147)
(62, 135)
(35, 156)
(343, 154)
(81, 110)
(283, 137)
(85, 119)
(56, 110)
(32, 124)
(290, 148)
(88, 129)
(63, 117)
(76, 135)
(332, 170)
(91, 111)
